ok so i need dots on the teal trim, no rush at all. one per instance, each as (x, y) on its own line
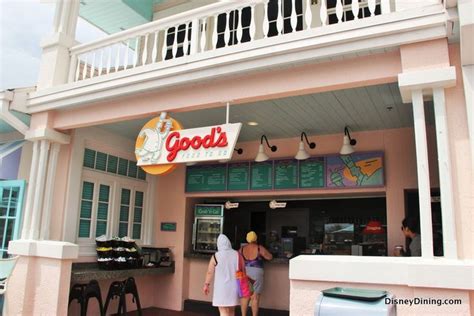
(112, 164)
(12, 194)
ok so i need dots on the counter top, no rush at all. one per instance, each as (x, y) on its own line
(84, 272)
(207, 256)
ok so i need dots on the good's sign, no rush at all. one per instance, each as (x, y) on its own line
(162, 143)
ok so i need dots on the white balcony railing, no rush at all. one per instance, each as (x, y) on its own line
(211, 28)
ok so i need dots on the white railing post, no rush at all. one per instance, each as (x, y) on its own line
(92, 68)
(174, 45)
(195, 40)
(203, 34)
(101, 63)
(164, 49)
(154, 52)
(294, 18)
(385, 6)
(84, 67)
(109, 60)
(339, 11)
(117, 58)
(72, 68)
(214, 32)
(145, 50)
(265, 26)
(136, 57)
(308, 15)
(252, 28)
(355, 9)
(279, 21)
(227, 28)
(323, 13)
(371, 5)
(239, 25)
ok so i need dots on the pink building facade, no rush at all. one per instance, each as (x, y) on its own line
(400, 76)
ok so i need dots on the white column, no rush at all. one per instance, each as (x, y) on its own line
(39, 190)
(48, 194)
(25, 232)
(445, 175)
(423, 171)
(55, 59)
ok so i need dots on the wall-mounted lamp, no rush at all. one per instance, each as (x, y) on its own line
(261, 156)
(302, 154)
(348, 142)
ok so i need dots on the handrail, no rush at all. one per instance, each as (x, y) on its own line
(173, 20)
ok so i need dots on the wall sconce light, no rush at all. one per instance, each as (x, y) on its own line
(302, 154)
(348, 142)
(261, 156)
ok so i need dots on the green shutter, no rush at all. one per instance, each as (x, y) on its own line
(86, 209)
(102, 211)
(141, 174)
(84, 228)
(101, 161)
(137, 215)
(112, 164)
(124, 213)
(123, 166)
(132, 169)
(123, 229)
(104, 193)
(137, 231)
(89, 158)
(125, 198)
(101, 228)
(87, 190)
(138, 198)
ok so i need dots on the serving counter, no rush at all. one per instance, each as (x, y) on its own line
(87, 271)
(203, 256)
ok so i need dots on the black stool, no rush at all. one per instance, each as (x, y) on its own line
(120, 289)
(83, 292)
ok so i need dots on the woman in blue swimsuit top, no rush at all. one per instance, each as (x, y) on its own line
(254, 255)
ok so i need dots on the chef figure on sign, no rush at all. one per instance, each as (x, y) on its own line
(154, 139)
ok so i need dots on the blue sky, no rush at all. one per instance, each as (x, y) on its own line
(23, 24)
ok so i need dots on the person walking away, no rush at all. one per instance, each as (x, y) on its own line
(222, 267)
(254, 255)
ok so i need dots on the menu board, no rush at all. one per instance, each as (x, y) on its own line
(238, 176)
(286, 174)
(311, 173)
(261, 175)
(206, 178)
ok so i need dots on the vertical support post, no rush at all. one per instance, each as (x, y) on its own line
(39, 190)
(25, 232)
(445, 179)
(50, 177)
(227, 109)
(423, 171)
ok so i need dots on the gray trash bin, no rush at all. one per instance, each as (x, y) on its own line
(340, 301)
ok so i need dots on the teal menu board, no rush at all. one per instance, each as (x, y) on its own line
(261, 175)
(311, 173)
(286, 174)
(238, 176)
(206, 178)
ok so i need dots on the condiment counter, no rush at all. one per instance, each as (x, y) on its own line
(87, 271)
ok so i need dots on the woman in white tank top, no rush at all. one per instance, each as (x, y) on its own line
(222, 266)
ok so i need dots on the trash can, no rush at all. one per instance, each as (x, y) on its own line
(340, 301)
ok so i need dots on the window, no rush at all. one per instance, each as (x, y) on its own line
(130, 219)
(94, 209)
(11, 206)
(112, 199)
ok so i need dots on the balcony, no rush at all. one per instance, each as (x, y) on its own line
(234, 37)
